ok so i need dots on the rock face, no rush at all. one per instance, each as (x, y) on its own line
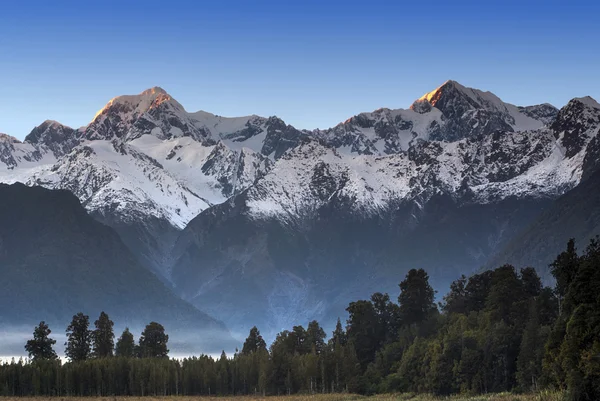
(53, 136)
(469, 112)
(576, 124)
(545, 113)
(256, 221)
(8, 150)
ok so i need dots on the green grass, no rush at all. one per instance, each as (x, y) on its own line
(544, 396)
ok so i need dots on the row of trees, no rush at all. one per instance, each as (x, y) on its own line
(83, 344)
(499, 330)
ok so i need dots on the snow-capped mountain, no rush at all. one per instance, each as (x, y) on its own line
(153, 112)
(145, 166)
(450, 112)
(481, 168)
(44, 145)
(217, 205)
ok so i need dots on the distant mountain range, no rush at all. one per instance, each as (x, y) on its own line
(256, 222)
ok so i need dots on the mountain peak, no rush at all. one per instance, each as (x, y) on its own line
(59, 138)
(8, 138)
(576, 123)
(148, 99)
(152, 111)
(588, 101)
(51, 122)
(156, 90)
(452, 88)
(434, 96)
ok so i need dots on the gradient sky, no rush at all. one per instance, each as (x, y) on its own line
(312, 63)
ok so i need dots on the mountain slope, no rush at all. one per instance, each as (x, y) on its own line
(576, 214)
(55, 260)
(276, 272)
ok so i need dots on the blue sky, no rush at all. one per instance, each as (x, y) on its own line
(312, 63)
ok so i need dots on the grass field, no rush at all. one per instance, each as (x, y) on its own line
(546, 396)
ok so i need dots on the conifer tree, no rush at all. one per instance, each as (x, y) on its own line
(315, 337)
(103, 336)
(79, 338)
(506, 290)
(40, 347)
(388, 316)
(254, 342)
(416, 297)
(578, 326)
(362, 331)
(222, 371)
(153, 341)
(125, 345)
(564, 268)
(299, 338)
(529, 364)
(339, 335)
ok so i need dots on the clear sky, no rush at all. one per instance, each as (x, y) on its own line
(312, 63)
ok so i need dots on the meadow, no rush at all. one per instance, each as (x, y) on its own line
(544, 396)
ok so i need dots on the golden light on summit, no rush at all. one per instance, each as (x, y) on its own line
(148, 99)
(433, 96)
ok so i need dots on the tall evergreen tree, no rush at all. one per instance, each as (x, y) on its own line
(564, 268)
(299, 338)
(506, 290)
(153, 341)
(103, 336)
(362, 330)
(339, 335)
(315, 337)
(416, 297)
(79, 338)
(529, 362)
(580, 349)
(254, 342)
(125, 345)
(388, 316)
(40, 347)
(222, 372)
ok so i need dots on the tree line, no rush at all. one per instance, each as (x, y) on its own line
(83, 344)
(499, 330)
